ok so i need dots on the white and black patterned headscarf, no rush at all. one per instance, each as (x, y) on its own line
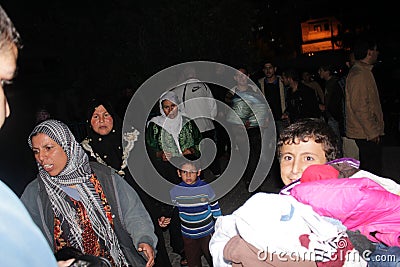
(76, 172)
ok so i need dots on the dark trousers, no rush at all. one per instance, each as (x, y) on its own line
(254, 138)
(162, 258)
(223, 141)
(215, 165)
(195, 248)
(168, 172)
(175, 233)
(370, 156)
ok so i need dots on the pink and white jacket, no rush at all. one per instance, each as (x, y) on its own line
(360, 204)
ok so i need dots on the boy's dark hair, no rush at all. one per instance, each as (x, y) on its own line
(311, 128)
(186, 159)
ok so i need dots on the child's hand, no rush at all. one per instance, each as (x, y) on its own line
(163, 221)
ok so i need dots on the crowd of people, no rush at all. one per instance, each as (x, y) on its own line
(84, 200)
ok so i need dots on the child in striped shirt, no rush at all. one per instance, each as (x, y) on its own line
(197, 210)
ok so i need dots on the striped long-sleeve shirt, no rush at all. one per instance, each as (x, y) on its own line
(196, 211)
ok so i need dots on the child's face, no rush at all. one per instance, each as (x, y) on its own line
(188, 173)
(296, 157)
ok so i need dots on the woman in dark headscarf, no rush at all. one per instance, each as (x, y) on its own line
(85, 206)
(104, 142)
(106, 145)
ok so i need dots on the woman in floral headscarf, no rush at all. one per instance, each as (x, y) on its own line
(85, 206)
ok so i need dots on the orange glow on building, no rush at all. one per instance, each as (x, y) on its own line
(319, 34)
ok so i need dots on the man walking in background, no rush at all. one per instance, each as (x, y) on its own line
(364, 116)
(203, 106)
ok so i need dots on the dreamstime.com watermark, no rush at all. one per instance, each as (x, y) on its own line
(146, 98)
(340, 255)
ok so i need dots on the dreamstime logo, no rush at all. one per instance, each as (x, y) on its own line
(340, 254)
(256, 108)
(342, 243)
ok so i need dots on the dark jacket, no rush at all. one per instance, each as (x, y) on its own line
(302, 103)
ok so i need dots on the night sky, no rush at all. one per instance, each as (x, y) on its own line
(74, 50)
(107, 45)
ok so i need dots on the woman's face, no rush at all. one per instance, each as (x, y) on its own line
(49, 154)
(170, 108)
(101, 121)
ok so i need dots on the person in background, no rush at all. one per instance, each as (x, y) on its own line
(275, 93)
(307, 79)
(301, 99)
(364, 116)
(107, 145)
(203, 108)
(171, 134)
(17, 229)
(219, 92)
(42, 114)
(333, 109)
(85, 205)
(197, 210)
(248, 104)
(350, 148)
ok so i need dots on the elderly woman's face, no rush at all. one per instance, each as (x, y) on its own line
(170, 108)
(49, 154)
(101, 121)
